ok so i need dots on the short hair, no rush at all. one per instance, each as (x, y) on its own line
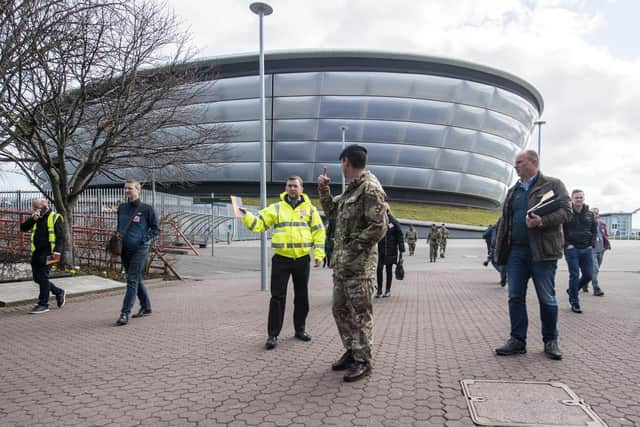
(356, 154)
(292, 177)
(577, 190)
(135, 183)
(532, 155)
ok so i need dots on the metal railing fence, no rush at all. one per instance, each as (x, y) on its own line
(103, 202)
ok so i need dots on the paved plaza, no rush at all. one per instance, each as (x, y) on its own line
(199, 359)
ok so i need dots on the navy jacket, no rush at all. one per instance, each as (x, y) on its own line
(143, 228)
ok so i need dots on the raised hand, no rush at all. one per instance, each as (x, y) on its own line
(323, 180)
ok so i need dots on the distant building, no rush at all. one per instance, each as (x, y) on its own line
(618, 224)
(437, 129)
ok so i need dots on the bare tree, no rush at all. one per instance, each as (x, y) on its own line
(99, 89)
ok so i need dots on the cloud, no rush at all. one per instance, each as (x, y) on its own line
(591, 94)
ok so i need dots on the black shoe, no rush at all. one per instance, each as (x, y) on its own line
(142, 313)
(576, 308)
(503, 283)
(39, 309)
(585, 289)
(387, 294)
(511, 347)
(303, 336)
(485, 263)
(552, 350)
(378, 294)
(271, 343)
(345, 362)
(122, 320)
(598, 293)
(356, 371)
(61, 299)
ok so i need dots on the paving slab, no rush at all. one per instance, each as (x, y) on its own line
(200, 360)
(26, 292)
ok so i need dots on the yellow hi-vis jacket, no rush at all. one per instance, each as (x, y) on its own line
(295, 231)
(51, 222)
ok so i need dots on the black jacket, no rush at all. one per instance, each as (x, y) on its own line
(581, 231)
(41, 238)
(391, 243)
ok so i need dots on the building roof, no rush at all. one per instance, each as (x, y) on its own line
(291, 61)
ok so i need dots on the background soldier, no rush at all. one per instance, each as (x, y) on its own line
(361, 222)
(411, 237)
(433, 238)
(444, 235)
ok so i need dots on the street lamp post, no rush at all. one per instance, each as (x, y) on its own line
(262, 9)
(539, 123)
(344, 129)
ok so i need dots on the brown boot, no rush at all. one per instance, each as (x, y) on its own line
(356, 371)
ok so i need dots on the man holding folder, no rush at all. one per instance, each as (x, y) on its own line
(529, 242)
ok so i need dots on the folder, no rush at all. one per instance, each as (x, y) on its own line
(548, 203)
(54, 259)
(236, 202)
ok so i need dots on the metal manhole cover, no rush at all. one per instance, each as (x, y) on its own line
(526, 403)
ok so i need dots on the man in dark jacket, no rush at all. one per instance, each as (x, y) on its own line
(138, 225)
(580, 237)
(530, 246)
(47, 239)
(388, 248)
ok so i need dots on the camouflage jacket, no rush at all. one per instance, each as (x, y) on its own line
(411, 236)
(434, 236)
(361, 221)
(443, 234)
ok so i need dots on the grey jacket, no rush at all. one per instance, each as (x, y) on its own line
(546, 242)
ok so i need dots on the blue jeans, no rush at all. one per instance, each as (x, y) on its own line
(596, 260)
(521, 267)
(133, 261)
(578, 261)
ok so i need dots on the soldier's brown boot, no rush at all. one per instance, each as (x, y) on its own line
(344, 362)
(357, 371)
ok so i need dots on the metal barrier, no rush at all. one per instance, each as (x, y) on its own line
(103, 203)
(90, 236)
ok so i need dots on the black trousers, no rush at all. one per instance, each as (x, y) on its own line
(281, 268)
(389, 268)
(40, 271)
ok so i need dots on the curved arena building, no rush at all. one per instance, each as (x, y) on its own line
(437, 129)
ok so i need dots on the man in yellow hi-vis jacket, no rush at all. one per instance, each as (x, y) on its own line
(297, 231)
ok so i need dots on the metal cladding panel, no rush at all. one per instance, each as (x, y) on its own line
(424, 132)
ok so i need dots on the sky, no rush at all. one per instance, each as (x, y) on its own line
(582, 55)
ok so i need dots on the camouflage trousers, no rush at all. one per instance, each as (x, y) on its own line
(353, 313)
(433, 252)
(412, 247)
(443, 247)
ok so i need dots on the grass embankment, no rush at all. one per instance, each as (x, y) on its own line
(421, 212)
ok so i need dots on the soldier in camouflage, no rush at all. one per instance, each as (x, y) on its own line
(444, 235)
(433, 238)
(411, 237)
(361, 222)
